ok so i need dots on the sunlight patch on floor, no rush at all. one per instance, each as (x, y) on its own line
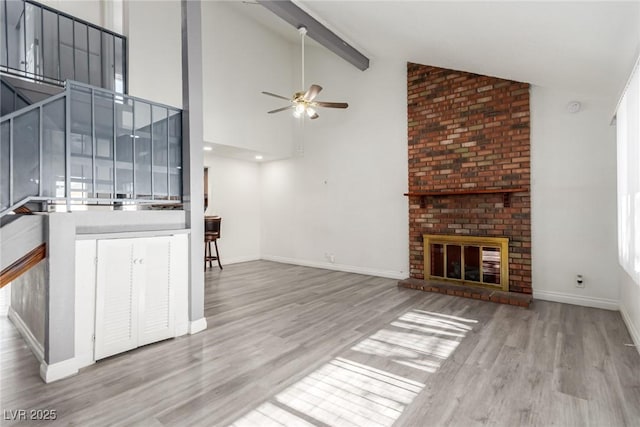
(344, 392)
(269, 415)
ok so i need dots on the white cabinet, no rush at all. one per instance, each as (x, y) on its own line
(138, 281)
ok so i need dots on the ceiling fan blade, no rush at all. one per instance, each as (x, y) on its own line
(331, 104)
(314, 116)
(277, 96)
(313, 91)
(281, 109)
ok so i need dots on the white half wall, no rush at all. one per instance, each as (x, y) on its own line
(339, 203)
(234, 194)
(573, 199)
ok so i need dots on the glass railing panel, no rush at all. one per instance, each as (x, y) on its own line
(142, 149)
(33, 34)
(115, 147)
(104, 113)
(81, 143)
(175, 155)
(95, 58)
(108, 62)
(65, 28)
(50, 45)
(160, 153)
(14, 15)
(119, 56)
(53, 149)
(81, 52)
(4, 165)
(124, 148)
(41, 43)
(26, 158)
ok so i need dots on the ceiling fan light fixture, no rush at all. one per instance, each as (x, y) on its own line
(302, 102)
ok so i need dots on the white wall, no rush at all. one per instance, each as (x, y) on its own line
(344, 195)
(240, 59)
(29, 302)
(153, 29)
(573, 191)
(234, 194)
(89, 10)
(155, 50)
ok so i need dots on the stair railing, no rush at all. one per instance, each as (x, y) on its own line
(89, 145)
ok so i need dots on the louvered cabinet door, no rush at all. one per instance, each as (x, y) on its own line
(117, 298)
(152, 270)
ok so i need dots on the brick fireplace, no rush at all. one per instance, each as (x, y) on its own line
(469, 164)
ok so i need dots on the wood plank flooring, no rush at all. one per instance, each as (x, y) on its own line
(291, 345)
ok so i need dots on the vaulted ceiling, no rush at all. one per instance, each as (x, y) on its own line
(585, 47)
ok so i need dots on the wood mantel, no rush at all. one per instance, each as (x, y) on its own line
(506, 192)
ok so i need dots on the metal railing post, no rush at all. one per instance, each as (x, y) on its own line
(114, 143)
(11, 162)
(133, 150)
(67, 145)
(168, 158)
(93, 145)
(40, 150)
(153, 195)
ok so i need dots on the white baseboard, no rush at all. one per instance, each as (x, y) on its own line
(391, 274)
(48, 373)
(197, 326)
(30, 339)
(607, 304)
(635, 335)
(237, 260)
(58, 371)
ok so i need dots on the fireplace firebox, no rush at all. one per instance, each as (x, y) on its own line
(468, 260)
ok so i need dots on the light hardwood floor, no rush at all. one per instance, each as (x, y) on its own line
(290, 345)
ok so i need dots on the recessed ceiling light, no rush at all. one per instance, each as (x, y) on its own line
(207, 148)
(258, 157)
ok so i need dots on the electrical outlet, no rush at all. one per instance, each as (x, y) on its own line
(579, 281)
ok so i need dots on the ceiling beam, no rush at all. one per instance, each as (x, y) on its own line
(297, 17)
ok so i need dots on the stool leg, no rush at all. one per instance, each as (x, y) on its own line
(205, 256)
(215, 242)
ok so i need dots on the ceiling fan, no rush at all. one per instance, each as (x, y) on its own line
(304, 102)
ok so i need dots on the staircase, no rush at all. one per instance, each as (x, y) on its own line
(88, 145)
(83, 146)
(19, 93)
(22, 245)
(22, 240)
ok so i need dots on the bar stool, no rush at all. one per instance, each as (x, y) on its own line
(211, 234)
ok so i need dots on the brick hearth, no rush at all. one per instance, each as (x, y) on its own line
(469, 132)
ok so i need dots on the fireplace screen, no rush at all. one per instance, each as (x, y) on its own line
(481, 261)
